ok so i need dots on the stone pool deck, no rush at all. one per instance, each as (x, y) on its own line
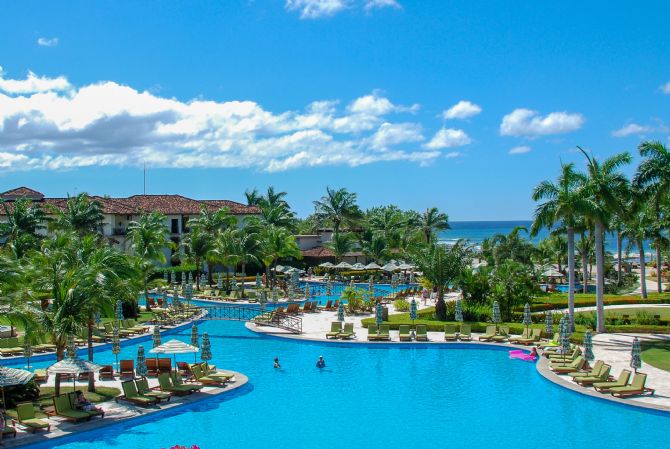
(120, 411)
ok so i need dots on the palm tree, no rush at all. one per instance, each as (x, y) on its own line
(24, 221)
(224, 250)
(81, 215)
(149, 236)
(275, 243)
(432, 221)
(512, 246)
(564, 202)
(376, 248)
(209, 223)
(636, 229)
(340, 244)
(653, 177)
(337, 207)
(602, 190)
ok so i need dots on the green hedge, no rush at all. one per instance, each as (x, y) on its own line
(589, 300)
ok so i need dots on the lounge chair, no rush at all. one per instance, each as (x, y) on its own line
(554, 342)
(348, 332)
(9, 429)
(502, 335)
(142, 386)
(373, 332)
(602, 376)
(328, 305)
(421, 332)
(622, 381)
(41, 375)
(211, 371)
(63, 408)
(466, 333)
(127, 368)
(564, 368)
(577, 351)
(72, 397)
(489, 334)
(165, 365)
(165, 384)
(177, 381)
(534, 337)
(25, 413)
(403, 332)
(384, 332)
(335, 329)
(152, 366)
(594, 371)
(10, 346)
(450, 332)
(131, 394)
(527, 332)
(106, 372)
(206, 380)
(636, 387)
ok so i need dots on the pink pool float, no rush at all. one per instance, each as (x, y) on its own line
(521, 355)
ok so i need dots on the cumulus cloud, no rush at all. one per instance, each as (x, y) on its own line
(632, 128)
(665, 88)
(32, 83)
(461, 110)
(47, 42)
(525, 122)
(315, 9)
(448, 138)
(520, 150)
(53, 125)
(380, 4)
(453, 154)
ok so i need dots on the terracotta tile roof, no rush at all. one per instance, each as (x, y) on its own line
(235, 207)
(21, 192)
(317, 252)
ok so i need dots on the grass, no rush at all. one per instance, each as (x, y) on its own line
(101, 394)
(560, 300)
(632, 311)
(657, 354)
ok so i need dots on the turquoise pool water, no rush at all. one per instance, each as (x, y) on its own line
(382, 397)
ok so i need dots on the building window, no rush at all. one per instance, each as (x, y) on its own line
(175, 226)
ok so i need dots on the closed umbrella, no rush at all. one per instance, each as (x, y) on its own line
(175, 299)
(27, 349)
(165, 298)
(412, 312)
(263, 298)
(206, 350)
(233, 283)
(156, 337)
(119, 311)
(13, 376)
(258, 281)
(527, 320)
(588, 346)
(496, 314)
(307, 290)
(378, 314)
(141, 365)
(219, 281)
(194, 340)
(70, 347)
(165, 276)
(340, 312)
(116, 343)
(635, 358)
(458, 311)
(190, 277)
(275, 296)
(173, 277)
(565, 336)
(548, 323)
(183, 282)
(329, 288)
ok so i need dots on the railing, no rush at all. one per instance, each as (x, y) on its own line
(253, 313)
(281, 320)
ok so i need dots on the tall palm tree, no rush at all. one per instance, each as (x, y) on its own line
(209, 223)
(341, 244)
(275, 243)
(81, 215)
(21, 230)
(432, 221)
(337, 207)
(636, 229)
(224, 250)
(563, 203)
(149, 236)
(196, 245)
(602, 190)
(653, 177)
(376, 248)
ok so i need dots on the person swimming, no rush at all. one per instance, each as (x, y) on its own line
(320, 363)
(277, 365)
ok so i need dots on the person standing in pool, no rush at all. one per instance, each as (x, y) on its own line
(320, 363)
(277, 365)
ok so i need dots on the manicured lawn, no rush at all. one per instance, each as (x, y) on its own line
(657, 354)
(664, 312)
(560, 300)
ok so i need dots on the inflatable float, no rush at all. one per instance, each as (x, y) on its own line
(521, 355)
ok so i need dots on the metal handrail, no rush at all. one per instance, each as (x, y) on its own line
(253, 313)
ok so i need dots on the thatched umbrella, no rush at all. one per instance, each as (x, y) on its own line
(13, 376)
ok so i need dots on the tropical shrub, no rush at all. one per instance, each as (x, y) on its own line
(355, 299)
(401, 305)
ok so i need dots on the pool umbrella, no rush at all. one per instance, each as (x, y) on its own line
(565, 336)
(548, 323)
(496, 314)
(219, 281)
(588, 346)
(458, 311)
(194, 336)
(73, 366)
(263, 298)
(389, 267)
(119, 311)
(175, 299)
(411, 277)
(98, 318)
(372, 266)
(189, 296)
(258, 281)
(329, 288)
(173, 277)
(275, 296)
(306, 290)
(13, 376)
(527, 320)
(340, 312)
(190, 277)
(371, 285)
(358, 266)
(343, 266)
(175, 347)
(116, 343)
(326, 265)
(635, 359)
(412, 311)
(27, 349)
(183, 282)
(156, 337)
(141, 365)
(165, 298)
(378, 314)
(70, 347)
(206, 350)
(165, 276)
(233, 283)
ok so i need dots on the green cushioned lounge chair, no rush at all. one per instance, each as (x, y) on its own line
(594, 371)
(384, 332)
(602, 376)
(142, 386)
(421, 332)
(622, 381)
(527, 332)
(502, 335)
(131, 394)
(489, 334)
(348, 331)
(72, 397)
(403, 332)
(450, 332)
(64, 409)
(335, 329)
(554, 342)
(636, 387)
(535, 336)
(564, 368)
(166, 385)
(176, 379)
(466, 333)
(25, 413)
(373, 332)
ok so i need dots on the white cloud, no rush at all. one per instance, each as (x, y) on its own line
(525, 122)
(32, 84)
(453, 154)
(47, 42)
(520, 150)
(380, 4)
(46, 124)
(461, 110)
(448, 138)
(665, 88)
(632, 128)
(314, 9)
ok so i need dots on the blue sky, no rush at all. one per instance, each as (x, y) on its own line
(417, 103)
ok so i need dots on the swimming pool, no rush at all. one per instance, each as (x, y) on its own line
(374, 396)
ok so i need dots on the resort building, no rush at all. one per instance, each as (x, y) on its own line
(119, 212)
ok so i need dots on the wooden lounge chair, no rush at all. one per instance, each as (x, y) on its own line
(489, 334)
(142, 386)
(421, 332)
(206, 380)
(527, 332)
(622, 381)
(63, 408)
(450, 332)
(348, 332)
(575, 365)
(72, 397)
(131, 394)
(636, 387)
(373, 332)
(184, 369)
(25, 413)
(384, 332)
(335, 329)
(602, 376)
(404, 332)
(328, 305)
(502, 335)
(165, 365)
(466, 333)
(106, 372)
(152, 367)
(589, 372)
(165, 384)
(126, 368)
(535, 335)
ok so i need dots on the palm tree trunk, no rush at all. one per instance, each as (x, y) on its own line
(643, 270)
(600, 277)
(244, 275)
(210, 278)
(585, 267)
(89, 338)
(267, 276)
(59, 356)
(619, 250)
(659, 266)
(571, 275)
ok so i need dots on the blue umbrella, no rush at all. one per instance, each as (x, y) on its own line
(635, 358)
(206, 350)
(329, 288)
(119, 310)
(156, 337)
(262, 299)
(458, 311)
(527, 319)
(565, 336)
(141, 365)
(165, 276)
(378, 314)
(496, 313)
(588, 346)
(116, 343)
(190, 277)
(98, 318)
(549, 323)
(412, 310)
(194, 339)
(340, 312)
(173, 277)
(258, 281)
